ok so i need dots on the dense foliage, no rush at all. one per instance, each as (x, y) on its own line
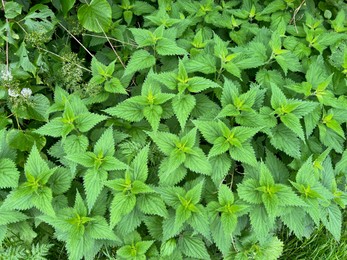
(170, 129)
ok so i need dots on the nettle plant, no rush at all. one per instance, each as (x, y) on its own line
(170, 129)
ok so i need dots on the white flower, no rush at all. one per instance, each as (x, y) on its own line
(26, 92)
(6, 75)
(13, 93)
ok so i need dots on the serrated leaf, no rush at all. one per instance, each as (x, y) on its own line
(139, 60)
(285, 140)
(128, 110)
(11, 216)
(293, 123)
(169, 47)
(121, 205)
(93, 182)
(152, 204)
(198, 162)
(105, 145)
(193, 247)
(183, 105)
(165, 141)
(244, 154)
(198, 84)
(99, 229)
(333, 220)
(209, 130)
(9, 175)
(95, 16)
(247, 191)
(86, 121)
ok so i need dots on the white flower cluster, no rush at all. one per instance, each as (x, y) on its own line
(25, 92)
(6, 75)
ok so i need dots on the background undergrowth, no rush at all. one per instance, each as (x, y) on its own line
(173, 129)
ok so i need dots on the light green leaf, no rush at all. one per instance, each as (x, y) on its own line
(12, 10)
(165, 141)
(198, 162)
(121, 205)
(293, 123)
(152, 204)
(9, 175)
(182, 106)
(209, 130)
(140, 60)
(128, 110)
(193, 247)
(169, 47)
(93, 182)
(285, 140)
(99, 229)
(11, 216)
(86, 121)
(42, 199)
(244, 154)
(105, 145)
(95, 16)
(198, 84)
(152, 114)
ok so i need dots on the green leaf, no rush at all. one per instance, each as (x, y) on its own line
(244, 154)
(139, 60)
(220, 146)
(152, 204)
(152, 114)
(203, 62)
(169, 47)
(86, 159)
(86, 121)
(11, 216)
(35, 166)
(278, 99)
(198, 162)
(225, 195)
(182, 106)
(105, 145)
(198, 84)
(9, 175)
(293, 123)
(165, 141)
(95, 16)
(75, 144)
(114, 85)
(193, 247)
(67, 5)
(182, 215)
(121, 205)
(247, 190)
(139, 165)
(288, 61)
(220, 167)
(333, 220)
(262, 224)
(53, 128)
(42, 200)
(285, 140)
(60, 181)
(12, 10)
(209, 130)
(142, 37)
(128, 110)
(24, 61)
(99, 229)
(93, 182)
